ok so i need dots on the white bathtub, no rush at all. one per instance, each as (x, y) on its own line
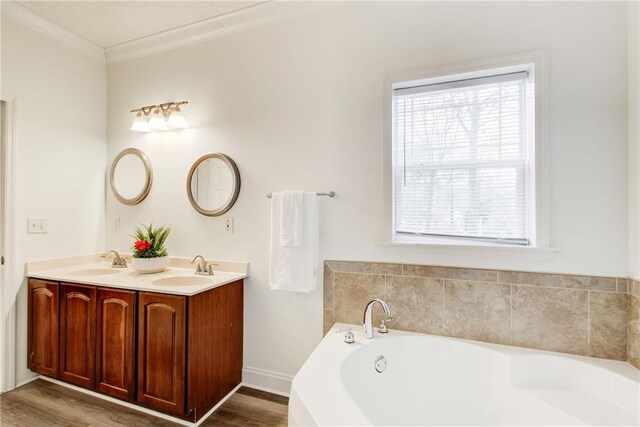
(432, 380)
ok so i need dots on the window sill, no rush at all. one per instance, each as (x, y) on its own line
(470, 247)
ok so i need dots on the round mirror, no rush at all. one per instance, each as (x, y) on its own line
(213, 184)
(131, 176)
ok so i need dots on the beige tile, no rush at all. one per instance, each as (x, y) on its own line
(327, 321)
(365, 267)
(549, 319)
(327, 287)
(476, 310)
(558, 280)
(416, 304)
(633, 337)
(608, 317)
(453, 273)
(634, 288)
(352, 292)
(622, 284)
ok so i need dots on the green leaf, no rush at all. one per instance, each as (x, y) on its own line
(156, 236)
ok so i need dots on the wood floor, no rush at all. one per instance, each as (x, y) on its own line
(41, 403)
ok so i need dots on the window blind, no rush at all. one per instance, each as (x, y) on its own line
(461, 159)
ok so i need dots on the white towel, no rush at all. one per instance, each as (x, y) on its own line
(291, 218)
(293, 268)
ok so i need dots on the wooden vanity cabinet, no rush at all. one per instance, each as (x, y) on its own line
(189, 348)
(43, 327)
(77, 334)
(115, 342)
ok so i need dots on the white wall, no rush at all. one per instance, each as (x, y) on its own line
(634, 137)
(60, 153)
(298, 105)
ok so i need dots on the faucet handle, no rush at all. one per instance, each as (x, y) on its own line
(349, 337)
(383, 325)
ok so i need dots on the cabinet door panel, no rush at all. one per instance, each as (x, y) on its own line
(77, 334)
(43, 327)
(161, 352)
(115, 342)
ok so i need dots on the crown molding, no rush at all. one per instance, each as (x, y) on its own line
(28, 17)
(244, 19)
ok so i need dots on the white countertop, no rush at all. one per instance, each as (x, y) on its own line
(89, 273)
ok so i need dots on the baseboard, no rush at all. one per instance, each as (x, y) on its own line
(219, 404)
(262, 379)
(25, 382)
(140, 408)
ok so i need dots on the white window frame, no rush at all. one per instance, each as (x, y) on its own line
(540, 236)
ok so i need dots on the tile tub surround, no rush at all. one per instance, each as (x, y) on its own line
(633, 328)
(585, 315)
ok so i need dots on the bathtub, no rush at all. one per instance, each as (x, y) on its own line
(433, 380)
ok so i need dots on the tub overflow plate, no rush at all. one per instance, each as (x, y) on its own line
(380, 364)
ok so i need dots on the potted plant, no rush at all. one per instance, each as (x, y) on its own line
(149, 251)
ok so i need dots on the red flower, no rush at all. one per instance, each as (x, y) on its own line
(142, 245)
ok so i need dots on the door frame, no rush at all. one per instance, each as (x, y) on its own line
(7, 218)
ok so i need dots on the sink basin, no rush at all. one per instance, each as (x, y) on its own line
(184, 281)
(95, 272)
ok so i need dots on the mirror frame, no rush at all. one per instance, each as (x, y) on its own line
(236, 184)
(148, 176)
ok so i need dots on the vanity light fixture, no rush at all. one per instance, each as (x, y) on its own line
(160, 117)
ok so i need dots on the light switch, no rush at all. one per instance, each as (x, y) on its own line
(228, 223)
(36, 225)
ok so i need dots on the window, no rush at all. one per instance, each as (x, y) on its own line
(463, 157)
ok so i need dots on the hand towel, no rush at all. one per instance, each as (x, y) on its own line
(293, 268)
(291, 218)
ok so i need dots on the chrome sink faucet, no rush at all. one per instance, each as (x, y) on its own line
(203, 268)
(118, 261)
(367, 322)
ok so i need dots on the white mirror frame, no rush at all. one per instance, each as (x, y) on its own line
(148, 176)
(236, 184)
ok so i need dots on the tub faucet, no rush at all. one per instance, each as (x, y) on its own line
(367, 322)
(118, 261)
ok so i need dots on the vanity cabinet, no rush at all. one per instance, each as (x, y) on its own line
(43, 327)
(176, 354)
(77, 334)
(115, 342)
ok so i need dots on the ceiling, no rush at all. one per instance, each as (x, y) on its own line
(111, 23)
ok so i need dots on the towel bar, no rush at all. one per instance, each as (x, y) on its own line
(327, 193)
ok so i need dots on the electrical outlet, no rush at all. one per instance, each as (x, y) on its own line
(36, 225)
(228, 224)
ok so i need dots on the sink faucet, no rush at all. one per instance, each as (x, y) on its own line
(367, 322)
(118, 261)
(203, 268)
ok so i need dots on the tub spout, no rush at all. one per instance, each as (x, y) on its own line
(367, 322)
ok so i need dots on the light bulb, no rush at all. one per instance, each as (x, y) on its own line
(140, 124)
(157, 121)
(177, 120)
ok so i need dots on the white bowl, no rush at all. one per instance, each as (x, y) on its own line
(150, 265)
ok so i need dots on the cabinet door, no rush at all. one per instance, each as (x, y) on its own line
(161, 352)
(115, 342)
(43, 327)
(78, 334)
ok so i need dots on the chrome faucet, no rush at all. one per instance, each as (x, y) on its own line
(118, 261)
(203, 268)
(367, 322)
